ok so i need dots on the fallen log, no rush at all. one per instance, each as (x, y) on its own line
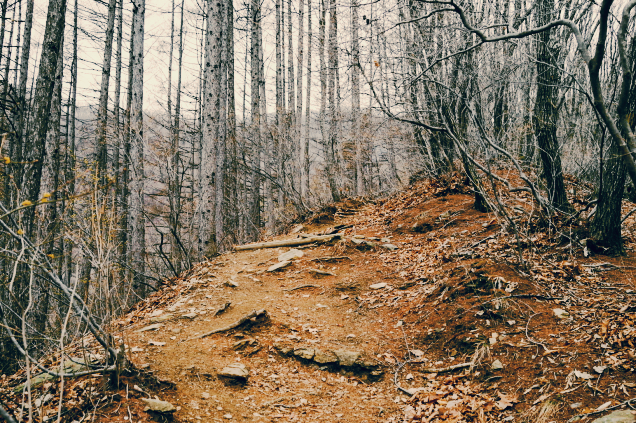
(250, 318)
(288, 242)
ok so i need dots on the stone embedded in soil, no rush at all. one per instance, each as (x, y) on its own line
(320, 273)
(390, 247)
(231, 284)
(161, 318)
(306, 353)
(496, 365)
(284, 350)
(158, 405)
(346, 358)
(323, 357)
(151, 327)
(290, 255)
(378, 285)
(621, 416)
(278, 266)
(243, 343)
(234, 373)
(189, 316)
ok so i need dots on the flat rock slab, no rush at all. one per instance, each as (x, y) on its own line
(390, 247)
(380, 285)
(236, 373)
(322, 357)
(279, 266)
(158, 405)
(336, 360)
(347, 358)
(621, 416)
(305, 353)
(291, 255)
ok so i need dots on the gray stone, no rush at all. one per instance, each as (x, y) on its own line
(234, 373)
(346, 358)
(283, 349)
(306, 353)
(291, 255)
(278, 266)
(496, 365)
(390, 247)
(620, 416)
(323, 357)
(378, 285)
(158, 405)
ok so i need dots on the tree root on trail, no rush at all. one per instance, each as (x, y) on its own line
(288, 242)
(250, 318)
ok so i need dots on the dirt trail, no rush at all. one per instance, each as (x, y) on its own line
(324, 315)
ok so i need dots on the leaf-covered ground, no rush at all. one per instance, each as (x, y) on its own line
(446, 314)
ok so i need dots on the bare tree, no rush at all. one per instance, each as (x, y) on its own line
(102, 110)
(137, 244)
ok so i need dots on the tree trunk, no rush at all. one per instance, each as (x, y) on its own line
(307, 163)
(605, 228)
(298, 143)
(69, 166)
(51, 50)
(355, 98)
(331, 147)
(116, 106)
(137, 182)
(546, 112)
(24, 75)
(175, 181)
(232, 206)
(102, 109)
(219, 181)
(255, 74)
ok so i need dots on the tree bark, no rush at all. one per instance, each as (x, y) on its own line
(332, 147)
(255, 74)
(51, 51)
(137, 182)
(307, 139)
(546, 112)
(355, 98)
(175, 181)
(102, 109)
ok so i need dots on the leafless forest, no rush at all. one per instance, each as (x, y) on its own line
(141, 137)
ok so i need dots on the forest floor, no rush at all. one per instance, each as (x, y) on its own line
(367, 328)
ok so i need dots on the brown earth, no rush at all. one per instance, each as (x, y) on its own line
(560, 325)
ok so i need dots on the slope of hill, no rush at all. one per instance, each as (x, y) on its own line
(418, 309)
